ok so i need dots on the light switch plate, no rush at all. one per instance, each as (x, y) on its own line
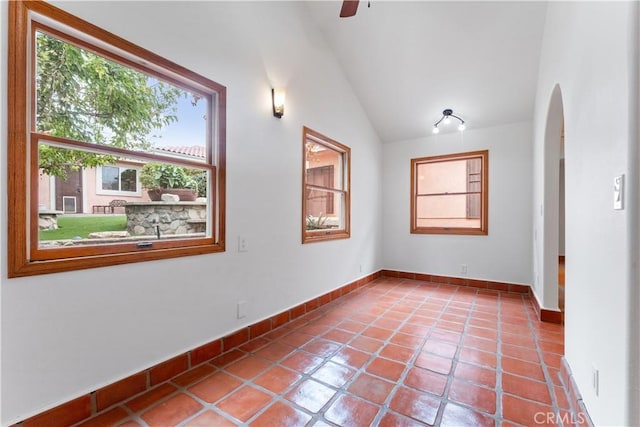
(618, 192)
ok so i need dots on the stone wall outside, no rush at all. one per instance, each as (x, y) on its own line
(171, 217)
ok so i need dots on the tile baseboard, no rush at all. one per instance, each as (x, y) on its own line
(460, 281)
(546, 315)
(579, 414)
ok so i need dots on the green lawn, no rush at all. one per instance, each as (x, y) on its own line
(72, 226)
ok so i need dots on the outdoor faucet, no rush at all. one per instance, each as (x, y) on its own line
(157, 226)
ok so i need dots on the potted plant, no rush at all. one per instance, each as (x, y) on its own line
(161, 178)
(316, 223)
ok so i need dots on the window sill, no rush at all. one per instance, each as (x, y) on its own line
(454, 231)
(31, 268)
(324, 235)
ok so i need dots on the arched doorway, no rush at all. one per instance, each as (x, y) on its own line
(553, 194)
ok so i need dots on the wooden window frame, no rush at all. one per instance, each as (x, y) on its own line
(484, 197)
(25, 258)
(329, 234)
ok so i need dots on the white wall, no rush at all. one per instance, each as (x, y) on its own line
(590, 51)
(561, 209)
(67, 334)
(505, 254)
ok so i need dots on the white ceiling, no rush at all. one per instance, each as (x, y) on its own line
(407, 61)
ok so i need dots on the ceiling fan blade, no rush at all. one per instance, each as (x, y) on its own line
(349, 8)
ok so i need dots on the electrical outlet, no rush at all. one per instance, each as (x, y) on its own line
(595, 373)
(242, 244)
(463, 268)
(360, 268)
(242, 309)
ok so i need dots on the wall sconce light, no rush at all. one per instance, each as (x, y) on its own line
(277, 99)
(446, 119)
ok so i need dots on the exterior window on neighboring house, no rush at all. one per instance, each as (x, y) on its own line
(449, 194)
(85, 102)
(116, 179)
(326, 196)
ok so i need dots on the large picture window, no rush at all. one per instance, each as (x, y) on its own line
(92, 116)
(326, 168)
(449, 194)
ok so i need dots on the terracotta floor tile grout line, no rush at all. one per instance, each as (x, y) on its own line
(547, 376)
(419, 350)
(444, 398)
(548, 381)
(213, 405)
(134, 416)
(362, 369)
(400, 381)
(498, 386)
(309, 375)
(184, 390)
(454, 363)
(280, 397)
(251, 382)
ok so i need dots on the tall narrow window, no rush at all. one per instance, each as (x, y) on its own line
(325, 188)
(92, 116)
(449, 194)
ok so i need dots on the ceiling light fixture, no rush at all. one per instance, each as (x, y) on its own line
(446, 119)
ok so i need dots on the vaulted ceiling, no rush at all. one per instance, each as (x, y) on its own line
(407, 61)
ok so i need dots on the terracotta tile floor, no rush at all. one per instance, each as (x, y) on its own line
(395, 353)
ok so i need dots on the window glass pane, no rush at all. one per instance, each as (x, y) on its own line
(87, 97)
(442, 177)
(445, 211)
(128, 181)
(110, 178)
(324, 209)
(327, 160)
(174, 204)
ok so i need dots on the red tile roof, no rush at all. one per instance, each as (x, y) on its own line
(193, 151)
